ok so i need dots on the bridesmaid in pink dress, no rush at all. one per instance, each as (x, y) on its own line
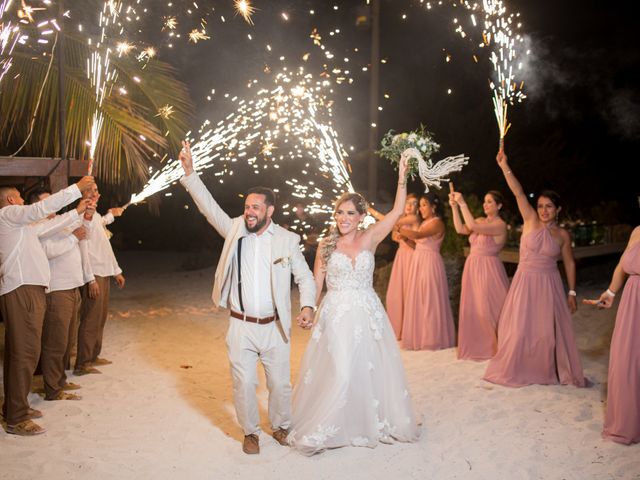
(622, 420)
(536, 344)
(484, 279)
(397, 287)
(427, 321)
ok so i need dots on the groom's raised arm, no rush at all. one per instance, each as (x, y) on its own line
(201, 196)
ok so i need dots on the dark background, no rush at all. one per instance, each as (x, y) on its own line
(577, 132)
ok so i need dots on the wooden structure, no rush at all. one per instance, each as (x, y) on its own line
(26, 170)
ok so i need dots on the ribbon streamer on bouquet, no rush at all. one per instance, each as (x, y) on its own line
(432, 175)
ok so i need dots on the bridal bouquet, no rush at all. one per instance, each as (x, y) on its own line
(394, 145)
(418, 146)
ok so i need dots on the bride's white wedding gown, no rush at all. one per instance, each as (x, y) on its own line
(351, 388)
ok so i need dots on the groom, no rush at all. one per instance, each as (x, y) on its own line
(253, 279)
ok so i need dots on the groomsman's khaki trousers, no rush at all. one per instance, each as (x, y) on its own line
(93, 316)
(246, 343)
(62, 309)
(23, 312)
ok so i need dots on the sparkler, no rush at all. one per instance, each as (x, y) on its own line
(100, 73)
(286, 124)
(499, 31)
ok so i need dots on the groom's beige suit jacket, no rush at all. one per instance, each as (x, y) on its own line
(286, 257)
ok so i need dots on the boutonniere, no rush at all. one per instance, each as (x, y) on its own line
(283, 261)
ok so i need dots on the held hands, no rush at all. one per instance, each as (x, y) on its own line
(305, 318)
(185, 158)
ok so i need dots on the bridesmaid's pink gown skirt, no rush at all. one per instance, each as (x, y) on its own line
(536, 344)
(397, 289)
(484, 288)
(622, 420)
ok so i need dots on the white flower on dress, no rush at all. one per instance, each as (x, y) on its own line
(320, 436)
(360, 441)
(317, 333)
(357, 334)
(307, 377)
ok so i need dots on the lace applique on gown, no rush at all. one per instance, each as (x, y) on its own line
(351, 388)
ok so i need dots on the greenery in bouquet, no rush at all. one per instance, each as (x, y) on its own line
(394, 144)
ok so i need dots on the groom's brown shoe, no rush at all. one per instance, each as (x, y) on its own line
(251, 444)
(281, 436)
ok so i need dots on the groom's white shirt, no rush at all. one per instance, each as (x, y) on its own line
(284, 259)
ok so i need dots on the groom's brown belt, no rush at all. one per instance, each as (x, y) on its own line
(247, 318)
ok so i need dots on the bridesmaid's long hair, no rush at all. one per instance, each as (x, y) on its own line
(330, 241)
(433, 200)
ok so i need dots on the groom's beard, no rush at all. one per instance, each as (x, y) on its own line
(260, 222)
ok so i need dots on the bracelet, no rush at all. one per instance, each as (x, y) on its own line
(507, 172)
(572, 293)
(462, 205)
(610, 293)
(402, 184)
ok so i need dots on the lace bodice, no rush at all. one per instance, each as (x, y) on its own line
(345, 274)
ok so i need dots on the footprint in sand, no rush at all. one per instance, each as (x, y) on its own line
(586, 413)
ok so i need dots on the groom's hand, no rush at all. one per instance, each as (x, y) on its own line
(185, 158)
(305, 317)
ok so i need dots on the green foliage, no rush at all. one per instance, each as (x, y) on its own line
(133, 133)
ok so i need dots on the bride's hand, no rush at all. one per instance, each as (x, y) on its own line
(305, 318)
(403, 167)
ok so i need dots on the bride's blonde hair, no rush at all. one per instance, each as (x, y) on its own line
(330, 241)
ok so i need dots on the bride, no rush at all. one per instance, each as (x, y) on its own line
(351, 388)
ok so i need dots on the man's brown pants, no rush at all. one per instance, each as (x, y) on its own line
(23, 311)
(93, 316)
(63, 307)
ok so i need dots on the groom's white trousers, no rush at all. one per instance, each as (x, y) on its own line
(246, 343)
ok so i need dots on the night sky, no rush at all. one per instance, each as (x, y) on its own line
(577, 132)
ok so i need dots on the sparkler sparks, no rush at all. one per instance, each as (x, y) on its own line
(285, 125)
(245, 9)
(196, 35)
(166, 111)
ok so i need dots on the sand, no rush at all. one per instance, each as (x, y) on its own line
(164, 408)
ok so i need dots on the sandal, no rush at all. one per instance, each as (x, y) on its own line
(64, 396)
(33, 413)
(26, 429)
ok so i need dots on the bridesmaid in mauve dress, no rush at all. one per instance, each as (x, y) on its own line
(427, 321)
(484, 279)
(399, 277)
(622, 420)
(536, 344)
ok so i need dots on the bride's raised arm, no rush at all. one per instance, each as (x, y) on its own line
(381, 229)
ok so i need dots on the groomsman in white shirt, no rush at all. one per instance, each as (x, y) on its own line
(253, 279)
(101, 267)
(24, 275)
(63, 302)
